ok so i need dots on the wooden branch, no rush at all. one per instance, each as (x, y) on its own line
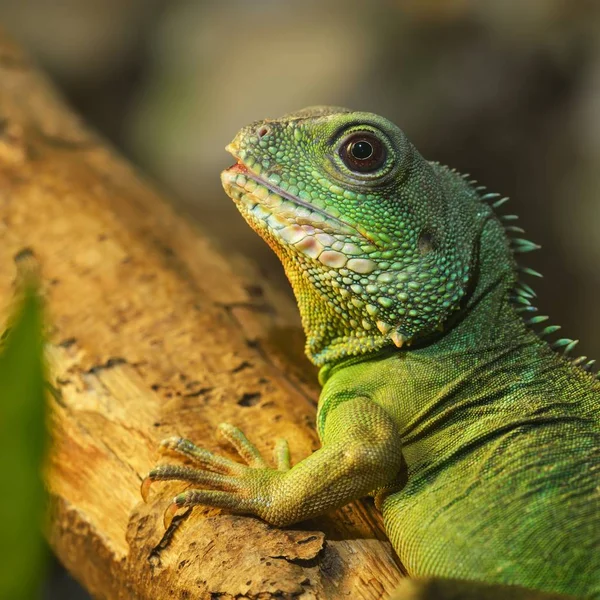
(153, 333)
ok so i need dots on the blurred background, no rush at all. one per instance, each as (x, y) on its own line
(506, 90)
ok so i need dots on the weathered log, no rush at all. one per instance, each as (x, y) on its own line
(153, 333)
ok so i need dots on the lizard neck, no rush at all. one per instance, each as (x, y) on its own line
(487, 318)
(488, 373)
(488, 336)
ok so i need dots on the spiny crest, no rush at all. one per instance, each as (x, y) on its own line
(523, 294)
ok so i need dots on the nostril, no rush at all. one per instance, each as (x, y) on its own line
(262, 131)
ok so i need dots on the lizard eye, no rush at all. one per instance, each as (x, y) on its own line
(363, 152)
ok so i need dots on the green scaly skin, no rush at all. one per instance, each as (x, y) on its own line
(480, 442)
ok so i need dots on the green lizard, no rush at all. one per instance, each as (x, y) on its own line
(478, 439)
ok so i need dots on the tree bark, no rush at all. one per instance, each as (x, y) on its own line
(153, 333)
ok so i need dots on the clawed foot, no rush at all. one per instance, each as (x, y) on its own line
(241, 488)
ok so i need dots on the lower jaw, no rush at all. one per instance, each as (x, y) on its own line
(261, 204)
(278, 203)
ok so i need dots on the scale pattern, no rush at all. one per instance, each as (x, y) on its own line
(479, 440)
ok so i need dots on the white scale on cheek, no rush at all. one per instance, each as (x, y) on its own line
(277, 222)
(248, 201)
(261, 193)
(274, 200)
(349, 248)
(326, 239)
(302, 211)
(333, 259)
(292, 234)
(310, 246)
(362, 265)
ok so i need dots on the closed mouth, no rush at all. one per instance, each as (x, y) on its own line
(277, 207)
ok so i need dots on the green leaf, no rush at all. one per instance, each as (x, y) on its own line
(22, 446)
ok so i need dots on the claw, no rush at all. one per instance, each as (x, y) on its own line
(145, 487)
(168, 444)
(171, 512)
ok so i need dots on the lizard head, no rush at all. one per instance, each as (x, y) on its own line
(377, 242)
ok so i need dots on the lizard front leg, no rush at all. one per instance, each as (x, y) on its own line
(361, 453)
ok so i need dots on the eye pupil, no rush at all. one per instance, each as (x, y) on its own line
(361, 150)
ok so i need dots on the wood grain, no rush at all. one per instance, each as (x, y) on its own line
(153, 333)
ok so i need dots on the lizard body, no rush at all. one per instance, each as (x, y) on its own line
(480, 442)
